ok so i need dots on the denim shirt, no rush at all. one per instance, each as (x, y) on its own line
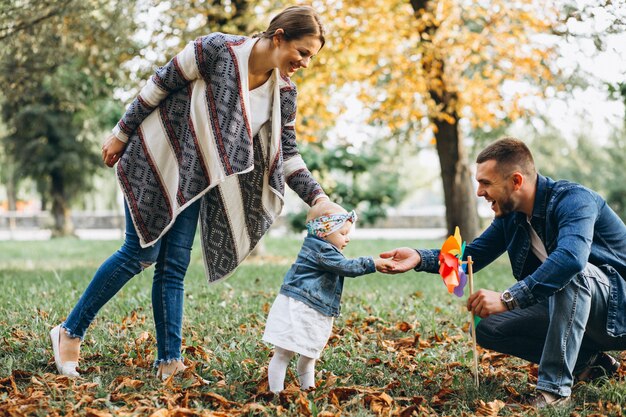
(316, 277)
(576, 227)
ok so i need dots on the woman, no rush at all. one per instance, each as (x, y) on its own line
(210, 136)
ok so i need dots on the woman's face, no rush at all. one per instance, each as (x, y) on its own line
(296, 54)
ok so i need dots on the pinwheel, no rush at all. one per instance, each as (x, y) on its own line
(451, 267)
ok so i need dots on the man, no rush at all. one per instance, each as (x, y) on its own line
(567, 250)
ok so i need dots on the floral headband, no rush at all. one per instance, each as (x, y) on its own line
(324, 225)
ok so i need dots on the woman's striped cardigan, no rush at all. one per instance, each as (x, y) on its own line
(189, 137)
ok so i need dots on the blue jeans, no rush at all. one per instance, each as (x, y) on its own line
(171, 254)
(562, 334)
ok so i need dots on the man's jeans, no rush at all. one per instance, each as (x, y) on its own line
(562, 334)
(171, 253)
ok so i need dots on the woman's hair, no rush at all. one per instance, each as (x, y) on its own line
(296, 22)
(510, 154)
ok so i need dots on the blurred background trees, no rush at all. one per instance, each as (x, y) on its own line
(60, 63)
(396, 77)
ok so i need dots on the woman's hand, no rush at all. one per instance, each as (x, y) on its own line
(321, 199)
(112, 150)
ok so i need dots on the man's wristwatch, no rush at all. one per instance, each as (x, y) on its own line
(508, 300)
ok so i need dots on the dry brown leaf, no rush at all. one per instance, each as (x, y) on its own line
(92, 412)
(182, 412)
(127, 383)
(327, 413)
(490, 409)
(380, 404)
(373, 361)
(512, 391)
(196, 352)
(341, 394)
(216, 398)
(404, 326)
(303, 405)
(250, 408)
(143, 336)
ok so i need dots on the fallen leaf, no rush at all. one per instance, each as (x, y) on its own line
(92, 412)
(490, 409)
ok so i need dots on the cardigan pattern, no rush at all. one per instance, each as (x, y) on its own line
(189, 137)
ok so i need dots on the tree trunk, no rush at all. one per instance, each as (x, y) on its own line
(63, 225)
(11, 194)
(458, 187)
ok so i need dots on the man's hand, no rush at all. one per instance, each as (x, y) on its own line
(112, 150)
(403, 259)
(484, 303)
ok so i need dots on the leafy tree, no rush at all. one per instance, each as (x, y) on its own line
(61, 61)
(423, 66)
(180, 21)
(364, 178)
(616, 190)
(585, 161)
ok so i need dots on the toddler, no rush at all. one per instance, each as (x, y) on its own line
(301, 318)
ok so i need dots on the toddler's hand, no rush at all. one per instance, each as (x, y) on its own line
(384, 265)
(403, 259)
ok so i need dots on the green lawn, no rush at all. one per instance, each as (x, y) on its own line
(400, 345)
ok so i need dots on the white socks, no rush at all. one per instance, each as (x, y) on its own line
(277, 369)
(306, 372)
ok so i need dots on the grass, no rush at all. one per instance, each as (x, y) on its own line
(399, 346)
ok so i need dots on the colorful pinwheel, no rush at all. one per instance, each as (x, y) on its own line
(451, 267)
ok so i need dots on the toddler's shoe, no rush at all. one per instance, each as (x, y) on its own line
(65, 368)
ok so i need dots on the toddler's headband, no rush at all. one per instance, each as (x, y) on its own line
(324, 225)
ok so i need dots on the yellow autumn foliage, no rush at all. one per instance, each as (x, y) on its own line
(386, 50)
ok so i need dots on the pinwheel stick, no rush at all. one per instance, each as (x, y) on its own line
(470, 278)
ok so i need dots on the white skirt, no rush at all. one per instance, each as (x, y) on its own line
(293, 325)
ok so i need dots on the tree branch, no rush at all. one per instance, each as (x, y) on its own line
(8, 31)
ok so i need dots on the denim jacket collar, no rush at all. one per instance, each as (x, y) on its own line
(541, 198)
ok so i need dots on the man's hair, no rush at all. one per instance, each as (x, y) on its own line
(510, 155)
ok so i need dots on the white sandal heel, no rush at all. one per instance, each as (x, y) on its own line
(65, 368)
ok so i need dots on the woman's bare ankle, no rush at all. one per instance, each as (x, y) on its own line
(171, 368)
(69, 348)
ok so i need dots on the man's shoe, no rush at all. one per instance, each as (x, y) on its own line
(604, 365)
(542, 399)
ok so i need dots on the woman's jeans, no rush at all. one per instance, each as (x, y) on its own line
(562, 334)
(171, 254)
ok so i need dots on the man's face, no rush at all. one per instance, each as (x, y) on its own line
(495, 188)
